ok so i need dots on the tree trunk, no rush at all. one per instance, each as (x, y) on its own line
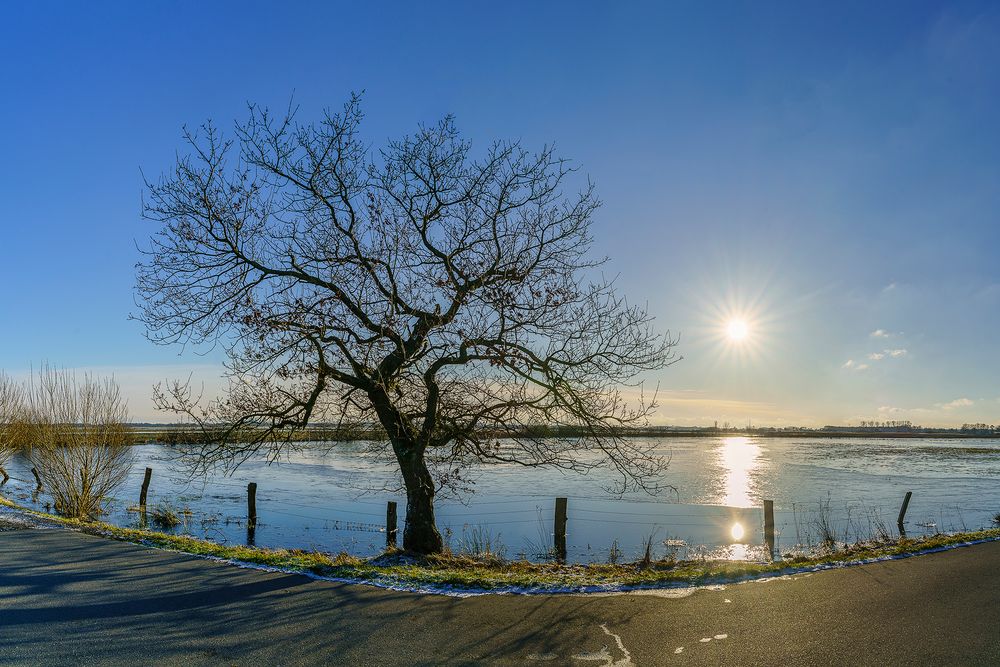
(420, 534)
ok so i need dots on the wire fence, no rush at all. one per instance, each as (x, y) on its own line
(799, 526)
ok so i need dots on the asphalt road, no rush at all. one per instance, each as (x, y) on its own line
(72, 599)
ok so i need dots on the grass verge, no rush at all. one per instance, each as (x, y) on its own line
(457, 573)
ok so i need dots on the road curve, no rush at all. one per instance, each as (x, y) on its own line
(71, 599)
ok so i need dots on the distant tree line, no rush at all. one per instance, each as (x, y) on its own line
(980, 427)
(898, 425)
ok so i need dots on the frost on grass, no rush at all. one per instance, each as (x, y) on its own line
(9, 522)
(462, 576)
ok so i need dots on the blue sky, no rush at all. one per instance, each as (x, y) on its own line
(823, 170)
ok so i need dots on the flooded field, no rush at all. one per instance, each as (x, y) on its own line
(334, 498)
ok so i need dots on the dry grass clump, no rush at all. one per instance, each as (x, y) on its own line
(480, 544)
(164, 516)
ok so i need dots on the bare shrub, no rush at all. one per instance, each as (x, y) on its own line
(11, 417)
(81, 444)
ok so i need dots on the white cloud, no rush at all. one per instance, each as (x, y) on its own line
(854, 365)
(957, 403)
(880, 333)
(897, 353)
(951, 413)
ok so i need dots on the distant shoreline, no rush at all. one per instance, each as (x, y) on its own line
(952, 435)
(184, 433)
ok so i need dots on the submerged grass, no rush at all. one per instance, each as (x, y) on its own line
(164, 516)
(397, 568)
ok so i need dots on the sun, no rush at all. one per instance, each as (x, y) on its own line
(740, 330)
(737, 330)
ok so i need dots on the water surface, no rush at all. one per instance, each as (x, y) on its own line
(334, 498)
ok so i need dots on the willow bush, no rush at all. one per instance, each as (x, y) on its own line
(81, 444)
(12, 418)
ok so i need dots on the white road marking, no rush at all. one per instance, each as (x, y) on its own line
(668, 592)
(672, 593)
(721, 636)
(605, 655)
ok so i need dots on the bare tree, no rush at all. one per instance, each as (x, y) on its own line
(80, 441)
(446, 298)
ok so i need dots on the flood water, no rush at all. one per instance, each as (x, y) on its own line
(333, 498)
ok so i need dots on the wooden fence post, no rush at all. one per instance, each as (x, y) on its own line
(560, 530)
(769, 527)
(145, 487)
(252, 503)
(390, 525)
(38, 479)
(902, 514)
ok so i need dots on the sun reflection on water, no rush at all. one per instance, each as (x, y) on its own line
(739, 458)
(737, 532)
